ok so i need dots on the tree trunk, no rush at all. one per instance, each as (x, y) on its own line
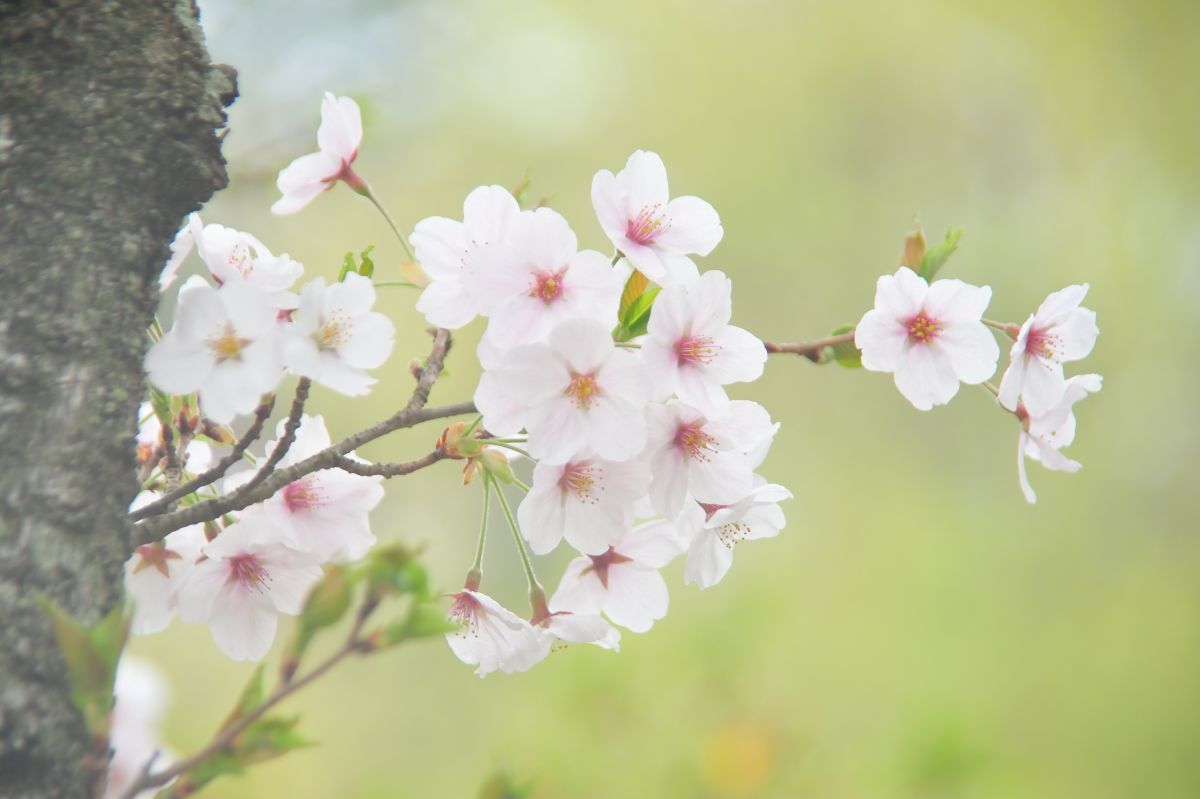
(109, 134)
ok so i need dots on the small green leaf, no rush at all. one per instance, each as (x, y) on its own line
(936, 257)
(91, 655)
(635, 286)
(637, 318)
(265, 739)
(846, 354)
(367, 268)
(348, 266)
(394, 571)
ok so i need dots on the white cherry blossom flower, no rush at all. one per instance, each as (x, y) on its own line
(713, 460)
(1043, 435)
(716, 529)
(528, 288)
(154, 573)
(565, 627)
(324, 513)
(1060, 331)
(623, 582)
(654, 232)
(588, 501)
(579, 390)
(235, 255)
(444, 247)
(335, 337)
(247, 578)
(692, 350)
(929, 336)
(492, 637)
(338, 139)
(224, 344)
(140, 698)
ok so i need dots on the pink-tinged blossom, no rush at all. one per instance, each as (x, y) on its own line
(154, 573)
(540, 280)
(712, 460)
(623, 582)
(1043, 435)
(246, 579)
(693, 351)
(140, 698)
(580, 393)
(338, 139)
(1060, 331)
(335, 337)
(492, 637)
(235, 255)
(446, 248)
(654, 232)
(716, 529)
(224, 345)
(588, 501)
(325, 513)
(929, 336)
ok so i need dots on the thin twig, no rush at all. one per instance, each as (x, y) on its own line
(414, 413)
(388, 469)
(810, 349)
(285, 441)
(216, 472)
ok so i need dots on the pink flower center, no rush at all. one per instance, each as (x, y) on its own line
(1042, 344)
(710, 509)
(691, 439)
(695, 349)
(580, 480)
(603, 562)
(226, 345)
(647, 225)
(547, 286)
(247, 571)
(583, 389)
(465, 610)
(301, 496)
(923, 328)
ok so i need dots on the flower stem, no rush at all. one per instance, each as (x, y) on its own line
(1007, 328)
(534, 586)
(477, 566)
(401, 283)
(369, 193)
(506, 445)
(813, 350)
(520, 485)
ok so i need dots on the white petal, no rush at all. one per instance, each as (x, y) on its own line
(694, 227)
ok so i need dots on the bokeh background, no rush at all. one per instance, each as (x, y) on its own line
(917, 630)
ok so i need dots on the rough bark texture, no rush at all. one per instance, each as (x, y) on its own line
(109, 134)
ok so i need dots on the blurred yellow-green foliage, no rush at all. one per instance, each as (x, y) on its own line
(917, 630)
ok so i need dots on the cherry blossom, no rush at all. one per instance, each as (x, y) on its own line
(1043, 435)
(587, 500)
(492, 637)
(623, 582)
(1060, 331)
(579, 390)
(154, 573)
(716, 529)
(929, 336)
(335, 336)
(338, 139)
(691, 348)
(653, 231)
(140, 697)
(224, 344)
(324, 513)
(712, 459)
(541, 280)
(576, 628)
(246, 579)
(444, 248)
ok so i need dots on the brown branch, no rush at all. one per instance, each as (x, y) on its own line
(813, 350)
(389, 469)
(289, 435)
(216, 472)
(414, 413)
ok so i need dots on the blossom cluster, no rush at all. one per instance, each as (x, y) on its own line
(640, 453)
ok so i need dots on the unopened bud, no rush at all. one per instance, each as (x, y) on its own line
(914, 249)
(456, 443)
(494, 463)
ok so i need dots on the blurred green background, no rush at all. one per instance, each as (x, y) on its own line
(917, 630)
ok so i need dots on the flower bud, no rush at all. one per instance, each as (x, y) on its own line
(914, 249)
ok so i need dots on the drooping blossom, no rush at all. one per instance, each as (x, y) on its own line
(444, 247)
(654, 232)
(540, 280)
(338, 139)
(224, 344)
(335, 337)
(140, 698)
(716, 529)
(492, 637)
(325, 513)
(246, 579)
(1060, 331)
(692, 350)
(588, 501)
(154, 573)
(580, 392)
(1043, 435)
(929, 336)
(565, 627)
(623, 582)
(713, 460)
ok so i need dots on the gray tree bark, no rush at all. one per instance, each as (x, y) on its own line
(110, 118)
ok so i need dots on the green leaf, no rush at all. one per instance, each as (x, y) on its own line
(394, 571)
(265, 739)
(367, 268)
(936, 257)
(91, 655)
(635, 286)
(846, 354)
(348, 266)
(326, 605)
(637, 319)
